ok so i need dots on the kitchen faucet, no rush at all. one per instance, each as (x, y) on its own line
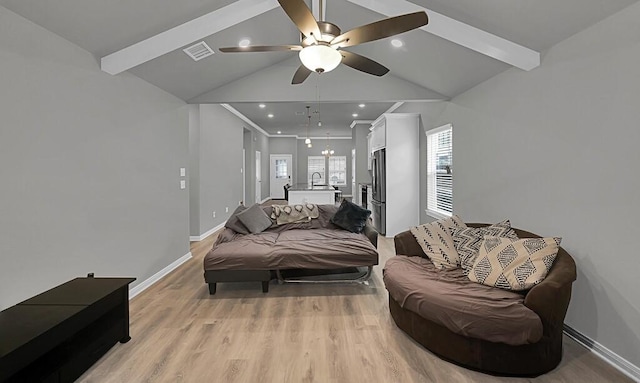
(314, 173)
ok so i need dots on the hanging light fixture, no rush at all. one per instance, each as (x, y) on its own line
(320, 58)
(328, 152)
(318, 100)
(308, 139)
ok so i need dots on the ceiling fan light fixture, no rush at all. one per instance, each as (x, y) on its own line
(320, 58)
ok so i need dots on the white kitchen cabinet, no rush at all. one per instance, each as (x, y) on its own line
(398, 134)
(369, 151)
(378, 136)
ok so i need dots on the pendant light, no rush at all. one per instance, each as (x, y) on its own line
(328, 152)
(307, 141)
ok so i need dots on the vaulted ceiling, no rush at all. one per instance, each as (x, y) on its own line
(465, 43)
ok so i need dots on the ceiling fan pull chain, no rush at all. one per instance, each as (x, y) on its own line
(318, 98)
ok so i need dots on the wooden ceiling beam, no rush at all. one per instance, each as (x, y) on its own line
(460, 33)
(184, 34)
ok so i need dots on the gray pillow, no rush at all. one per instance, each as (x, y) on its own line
(255, 219)
(234, 223)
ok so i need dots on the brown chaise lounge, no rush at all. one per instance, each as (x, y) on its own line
(549, 300)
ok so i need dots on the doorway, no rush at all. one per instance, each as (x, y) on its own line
(279, 174)
(258, 177)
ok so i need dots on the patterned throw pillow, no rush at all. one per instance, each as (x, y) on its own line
(437, 243)
(467, 240)
(514, 264)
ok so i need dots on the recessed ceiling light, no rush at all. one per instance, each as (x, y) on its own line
(279, 132)
(355, 115)
(244, 43)
(270, 115)
(262, 106)
(397, 43)
(362, 105)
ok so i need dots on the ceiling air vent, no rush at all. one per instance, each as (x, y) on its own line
(199, 51)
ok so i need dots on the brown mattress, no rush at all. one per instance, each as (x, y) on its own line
(284, 248)
(450, 299)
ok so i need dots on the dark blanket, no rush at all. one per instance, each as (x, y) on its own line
(317, 244)
(449, 298)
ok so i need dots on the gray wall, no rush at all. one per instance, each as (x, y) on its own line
(220, 162)
(359, 142)
(221, 137)
(274, 84)
(90, 167)
(342, 147)
(194, 170)
(556, 151)
(218, 137)
(429, 118)
(253, 141)
(262, 144)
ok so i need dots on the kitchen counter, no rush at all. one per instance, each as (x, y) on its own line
(318, 194)
(306, 187)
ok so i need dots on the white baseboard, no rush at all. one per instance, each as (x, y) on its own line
(620, 363)
(158, 276)
(198, 238)
(265, 200)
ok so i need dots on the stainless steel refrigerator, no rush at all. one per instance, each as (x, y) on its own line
(379, 190)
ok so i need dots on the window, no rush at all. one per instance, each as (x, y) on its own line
(439, 171)
(338, 170)
(281, 169)
(315, 164)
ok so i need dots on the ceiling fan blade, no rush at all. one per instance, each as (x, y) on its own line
(263, 48)
(381, 29)
(302, 17)
(301, 74)
(363, 64)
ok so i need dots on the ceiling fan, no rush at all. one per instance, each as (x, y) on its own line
(321, 44)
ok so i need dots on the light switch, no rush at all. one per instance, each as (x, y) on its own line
(183, 184)
(183, 172)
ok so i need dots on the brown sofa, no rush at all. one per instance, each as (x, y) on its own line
(314, 245)
(549, 300)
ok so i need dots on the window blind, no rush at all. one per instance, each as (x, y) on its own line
(315, 164)
(338, 170)
(439, 171)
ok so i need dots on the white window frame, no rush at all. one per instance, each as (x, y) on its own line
(332, 164)
(439, 184)
(316, 168)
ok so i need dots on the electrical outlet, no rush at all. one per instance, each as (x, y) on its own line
(214, 214)
(226, 209)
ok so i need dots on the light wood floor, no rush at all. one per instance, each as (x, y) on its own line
(294, 333)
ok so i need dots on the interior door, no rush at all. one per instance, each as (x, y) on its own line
(354, 191)
(280, 174)
(258, 177)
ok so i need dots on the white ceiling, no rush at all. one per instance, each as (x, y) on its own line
(426, 61)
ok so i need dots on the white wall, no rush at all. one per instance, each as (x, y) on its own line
(89, 165)
(556, 151)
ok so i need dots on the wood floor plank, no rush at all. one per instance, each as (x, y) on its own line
(295, 333)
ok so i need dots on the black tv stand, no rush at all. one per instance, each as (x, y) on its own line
(57, 335)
